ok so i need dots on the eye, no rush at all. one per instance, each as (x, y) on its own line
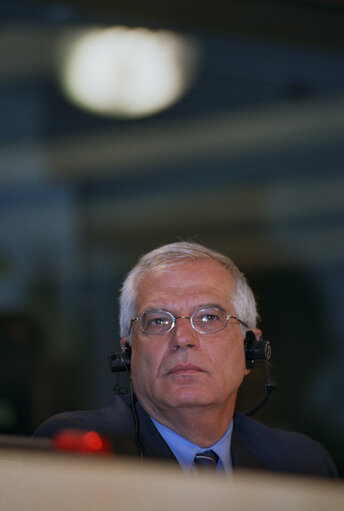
(156, 320)
(209, 317)
(162, 321)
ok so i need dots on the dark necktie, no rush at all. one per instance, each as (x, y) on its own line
(206, 461)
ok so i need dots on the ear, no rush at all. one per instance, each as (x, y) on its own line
(258, 333)
(123, 342)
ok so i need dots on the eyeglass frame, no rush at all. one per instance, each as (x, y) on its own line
(174, 318)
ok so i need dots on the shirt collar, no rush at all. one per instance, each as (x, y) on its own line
(185, 451)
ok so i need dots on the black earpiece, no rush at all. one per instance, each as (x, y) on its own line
(120, 361)
(255, 349)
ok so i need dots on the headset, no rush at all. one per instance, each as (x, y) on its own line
(255, 349)
(120, 362)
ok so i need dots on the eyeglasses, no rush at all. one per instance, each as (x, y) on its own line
(204, 321)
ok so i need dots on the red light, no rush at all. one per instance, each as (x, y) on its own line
(89, 442)
(93, 441)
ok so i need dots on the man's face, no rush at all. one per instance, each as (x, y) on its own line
(184, 368)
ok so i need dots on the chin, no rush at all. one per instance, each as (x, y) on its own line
(190, 397)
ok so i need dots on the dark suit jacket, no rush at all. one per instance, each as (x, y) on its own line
(253, 446)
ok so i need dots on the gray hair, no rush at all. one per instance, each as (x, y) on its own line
(243, 300)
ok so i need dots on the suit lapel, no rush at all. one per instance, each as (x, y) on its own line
(152, 443)
(242, 457)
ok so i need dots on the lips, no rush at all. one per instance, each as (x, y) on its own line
(185, 368)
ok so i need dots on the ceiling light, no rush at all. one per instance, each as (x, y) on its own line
(127, 72)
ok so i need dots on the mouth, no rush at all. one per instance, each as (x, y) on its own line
(185, 369)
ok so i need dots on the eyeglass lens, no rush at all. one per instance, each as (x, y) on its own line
(203, 321)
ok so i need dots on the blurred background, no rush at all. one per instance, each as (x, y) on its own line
(125, 125)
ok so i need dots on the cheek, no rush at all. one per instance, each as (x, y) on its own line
(145, 367)
(231, 361)
(140, 372)
(145, 360)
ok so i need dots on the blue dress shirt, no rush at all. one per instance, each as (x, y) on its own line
(185, 451)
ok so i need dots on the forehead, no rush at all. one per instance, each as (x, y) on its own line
(185, 284)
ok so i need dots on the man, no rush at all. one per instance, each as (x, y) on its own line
(184, 313)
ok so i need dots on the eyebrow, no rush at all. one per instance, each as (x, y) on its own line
(210, 305)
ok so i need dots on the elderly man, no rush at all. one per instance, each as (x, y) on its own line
(185, 312)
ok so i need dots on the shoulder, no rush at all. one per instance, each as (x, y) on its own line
(114, 419)
(283, 450)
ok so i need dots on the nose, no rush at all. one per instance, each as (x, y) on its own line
(183, 335)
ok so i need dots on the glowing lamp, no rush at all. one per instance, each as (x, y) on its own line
(127, 72)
